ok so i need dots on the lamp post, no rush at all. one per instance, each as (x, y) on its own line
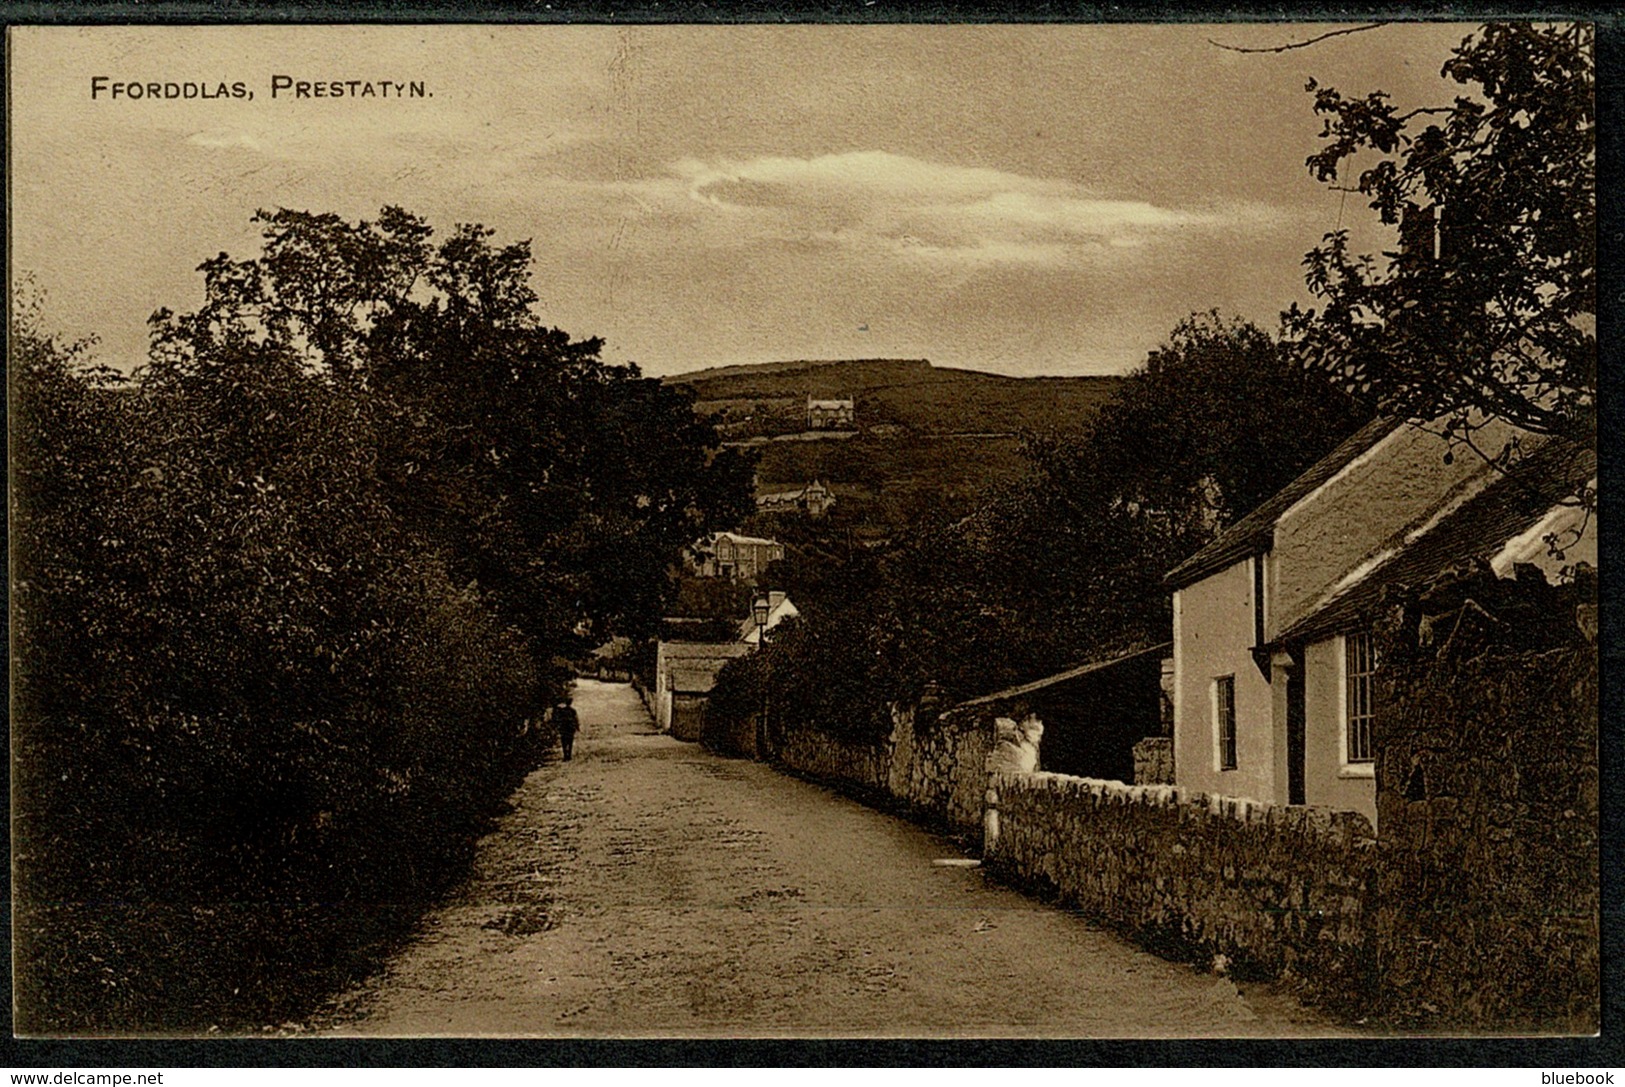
(759, 607)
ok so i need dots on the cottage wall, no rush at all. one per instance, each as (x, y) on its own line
(1324, 780)
(1213, 636)
(1390, 487)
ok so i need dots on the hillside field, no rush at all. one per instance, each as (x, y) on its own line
(928, 438)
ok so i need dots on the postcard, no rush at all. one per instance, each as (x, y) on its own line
(804, 531)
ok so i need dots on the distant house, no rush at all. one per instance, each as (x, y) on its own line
(779, 609)
(734, 557)
(685, 672)
(814, 500)
(1273, 656)
(837, 414)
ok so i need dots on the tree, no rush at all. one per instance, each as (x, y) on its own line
(1065, 565)
(285, 602)
(1488, 308)
(1218, 419)
(563, 486)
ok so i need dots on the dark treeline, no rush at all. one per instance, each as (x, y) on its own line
(1063, 567)
(289, 603)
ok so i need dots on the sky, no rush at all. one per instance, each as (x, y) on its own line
(1024, 200)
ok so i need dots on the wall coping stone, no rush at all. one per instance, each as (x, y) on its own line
(1330, 824)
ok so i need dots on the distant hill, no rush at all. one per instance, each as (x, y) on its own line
(928, 438)
(769, 398)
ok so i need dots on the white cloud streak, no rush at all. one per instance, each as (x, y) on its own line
(940, 213)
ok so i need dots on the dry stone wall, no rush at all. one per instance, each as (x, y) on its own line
(935, 766)
(939, 765)
(1261, 890)
(1478, 906)
(835, 760)
(1154, 761)
(1487, 799)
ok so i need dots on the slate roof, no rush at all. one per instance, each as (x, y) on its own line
(693, 666)
(1508, 507)
(1255, 532)
(677, 651)
(1160, 650)
(754, 541)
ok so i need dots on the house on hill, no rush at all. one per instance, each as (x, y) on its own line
(1273, 657)
(814, 500)
(835, 414)
(734, 557)
(779, 608)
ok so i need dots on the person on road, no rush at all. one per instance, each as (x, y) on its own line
(566, 721)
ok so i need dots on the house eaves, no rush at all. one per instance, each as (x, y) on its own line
(1160, 650)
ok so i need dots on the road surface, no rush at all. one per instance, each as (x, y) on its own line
(650, 889)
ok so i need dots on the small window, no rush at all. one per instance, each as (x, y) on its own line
(1224, 709)
(1359, 670)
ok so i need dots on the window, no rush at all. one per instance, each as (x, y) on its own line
(1224, 716)
(1359, 668)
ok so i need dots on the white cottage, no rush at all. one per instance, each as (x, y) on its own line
(1273, 660)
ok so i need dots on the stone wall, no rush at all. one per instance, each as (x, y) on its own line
(1154, 761)
(1478, 907)
(847, 764)
(687, 716)
(939, 764)
(934, 766)
(1261, 890)
(727, 734)
(1488, 899)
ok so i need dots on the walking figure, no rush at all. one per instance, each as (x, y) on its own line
(566, 721)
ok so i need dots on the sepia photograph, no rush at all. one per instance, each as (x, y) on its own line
(804, 531)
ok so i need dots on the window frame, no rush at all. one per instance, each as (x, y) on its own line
(1356, 710)
(1225, 754)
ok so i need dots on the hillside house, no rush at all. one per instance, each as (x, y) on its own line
(836, 414)
(733, 557)
(685, 673)
(814, 500)
(1273, 657)
(779, 609)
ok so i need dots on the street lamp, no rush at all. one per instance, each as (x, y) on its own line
(759, 607)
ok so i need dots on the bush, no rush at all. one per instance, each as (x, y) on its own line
(240, 689)
(288, 605)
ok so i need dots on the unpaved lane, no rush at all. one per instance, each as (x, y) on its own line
(650, 889)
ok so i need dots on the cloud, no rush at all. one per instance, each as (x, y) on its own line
(933, 211)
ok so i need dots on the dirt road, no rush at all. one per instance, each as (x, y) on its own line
(650, 889)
